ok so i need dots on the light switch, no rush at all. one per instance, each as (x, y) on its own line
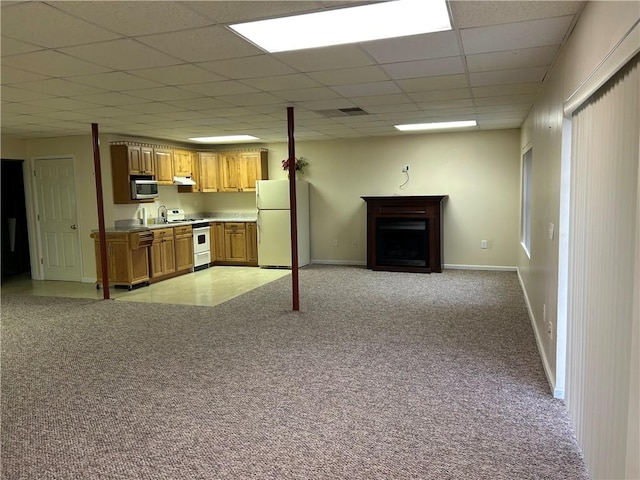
(551, 231)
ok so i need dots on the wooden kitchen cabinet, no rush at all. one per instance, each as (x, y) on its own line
(208, 178)
(184, 247)
(163, 161)
(217, 242)
(252, 243)
(127, 258)
(163, 256)
(234, 243)
(182, 164)
(127, 162)
(239, 171)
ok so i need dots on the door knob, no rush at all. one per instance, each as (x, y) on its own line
(73, 227)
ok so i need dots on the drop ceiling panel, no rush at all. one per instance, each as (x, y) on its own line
(234, 11)
(136, 18)
(248, 67)
(350, 76)
(528, 57)
(327, 58)
(282, 82)
(500, 90)
(181, 70)
(185, 74)
(214, 89)
(365, 89)
(123, 54)
(14, 75)
(509, 36)
(414, 47)
(501, 77)
(468, 13)
(115, 81)
(52, 64)
(424, 84)
(202, 44)
(10, 46)
(307, 94)
(59, 30)
(59, 87)
(425, 68)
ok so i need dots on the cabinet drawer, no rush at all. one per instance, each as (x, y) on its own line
(162, 232)
(140, 239)
(183, 230)
(235, 226)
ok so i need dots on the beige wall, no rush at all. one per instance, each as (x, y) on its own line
(599, 30)
(478, 170)
(12, 148)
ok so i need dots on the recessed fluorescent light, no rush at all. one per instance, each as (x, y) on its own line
(398, 18)
(225, 139)
(436, 126)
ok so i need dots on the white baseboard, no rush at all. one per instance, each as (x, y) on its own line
(549, 373)
(88, 280)
(338, 262)
(498, 268)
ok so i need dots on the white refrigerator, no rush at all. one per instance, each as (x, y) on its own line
(274, 223)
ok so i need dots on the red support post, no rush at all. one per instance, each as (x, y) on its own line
(100, 203)
(293, 211)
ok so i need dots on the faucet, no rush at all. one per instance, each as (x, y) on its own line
(162, 217)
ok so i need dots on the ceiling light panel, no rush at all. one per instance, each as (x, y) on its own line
(436, 126)
(225, 139)
(347, 25)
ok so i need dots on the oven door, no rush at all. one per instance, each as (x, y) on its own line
(201, 242)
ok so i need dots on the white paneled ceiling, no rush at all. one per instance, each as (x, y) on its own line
(174, 70)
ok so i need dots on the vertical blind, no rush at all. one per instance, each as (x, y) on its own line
(602, 250)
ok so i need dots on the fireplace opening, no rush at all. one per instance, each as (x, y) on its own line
(402, 242)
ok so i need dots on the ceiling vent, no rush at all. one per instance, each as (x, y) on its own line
(342, 112)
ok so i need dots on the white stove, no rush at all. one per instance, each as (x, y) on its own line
(201, 237)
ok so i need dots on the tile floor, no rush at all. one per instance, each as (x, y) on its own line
(207, 287)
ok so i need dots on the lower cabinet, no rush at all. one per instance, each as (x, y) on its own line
(234, 243)
(171, 252)
(127, 258)
(163, 256)
(184, 247)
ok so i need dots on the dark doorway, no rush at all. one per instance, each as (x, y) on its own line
(15, 239)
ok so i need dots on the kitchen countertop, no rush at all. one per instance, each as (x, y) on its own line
(134, 225)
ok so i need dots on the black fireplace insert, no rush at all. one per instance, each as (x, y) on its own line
(402, 242)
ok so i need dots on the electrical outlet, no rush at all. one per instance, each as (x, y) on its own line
(406, 168)
(484, 244)
(550, 330)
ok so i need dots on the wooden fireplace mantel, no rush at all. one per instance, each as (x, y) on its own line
(427, 207)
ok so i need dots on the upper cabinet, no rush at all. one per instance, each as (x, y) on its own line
(163, 159)
(208, 165)
(212, 171)
(128, 162)
(140, 160)
(182, 163)
(240, 170)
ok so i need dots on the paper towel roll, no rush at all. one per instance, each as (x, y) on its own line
(145, 220)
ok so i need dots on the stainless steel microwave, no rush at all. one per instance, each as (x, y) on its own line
(143, 189)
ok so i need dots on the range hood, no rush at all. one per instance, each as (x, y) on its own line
(183, 181)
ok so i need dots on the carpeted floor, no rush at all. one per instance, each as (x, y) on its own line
(379, 376)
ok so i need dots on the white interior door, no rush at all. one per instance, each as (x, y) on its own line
(58, 219)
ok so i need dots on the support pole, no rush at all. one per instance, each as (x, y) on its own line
(293, 211)
(100, 203)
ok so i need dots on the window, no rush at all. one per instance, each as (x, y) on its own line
(525, 217)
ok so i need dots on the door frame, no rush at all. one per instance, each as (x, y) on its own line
(35, 236)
